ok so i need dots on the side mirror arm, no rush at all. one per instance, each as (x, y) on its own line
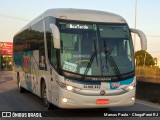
(142, 36)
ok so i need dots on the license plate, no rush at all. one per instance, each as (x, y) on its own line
(102, 101)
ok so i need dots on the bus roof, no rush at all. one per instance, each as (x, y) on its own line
(78, 15)
(84, 15)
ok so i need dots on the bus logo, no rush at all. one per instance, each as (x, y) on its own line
(102, 92)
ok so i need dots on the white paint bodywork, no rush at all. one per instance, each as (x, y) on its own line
(55, 93)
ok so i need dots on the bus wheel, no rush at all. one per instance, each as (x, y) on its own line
(44, 97)
(20, 89)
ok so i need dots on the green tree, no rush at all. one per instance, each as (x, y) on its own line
(144, 58)
(155, 60)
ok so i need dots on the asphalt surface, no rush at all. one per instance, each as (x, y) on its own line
(12, 100)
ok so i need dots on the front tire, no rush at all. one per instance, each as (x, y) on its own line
(44, 97)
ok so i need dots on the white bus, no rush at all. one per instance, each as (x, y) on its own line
(74, 58)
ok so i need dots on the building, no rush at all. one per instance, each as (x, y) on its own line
(6, 52)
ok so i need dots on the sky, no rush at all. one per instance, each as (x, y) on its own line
(14, 14)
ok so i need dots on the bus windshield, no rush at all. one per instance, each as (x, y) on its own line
(96, 49)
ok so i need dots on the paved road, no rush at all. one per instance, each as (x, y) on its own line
(12, 100)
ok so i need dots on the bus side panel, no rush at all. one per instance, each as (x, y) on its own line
(53, 89)
(21, 61)
(34, 67)
(27, 66)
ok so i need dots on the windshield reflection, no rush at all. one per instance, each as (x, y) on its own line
(84, 49)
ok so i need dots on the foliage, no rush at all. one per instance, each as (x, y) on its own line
(144, 58)
(6, 63)
(148, 72)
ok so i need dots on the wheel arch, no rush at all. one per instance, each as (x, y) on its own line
(42, 81)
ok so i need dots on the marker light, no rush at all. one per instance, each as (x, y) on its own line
(64, 100)
(69, 88)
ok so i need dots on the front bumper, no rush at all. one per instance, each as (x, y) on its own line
(81, 101)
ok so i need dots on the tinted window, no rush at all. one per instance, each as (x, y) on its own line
(30, 39)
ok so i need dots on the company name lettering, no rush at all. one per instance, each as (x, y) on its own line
(115, 84)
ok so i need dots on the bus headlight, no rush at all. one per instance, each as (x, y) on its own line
(65, 86)
(69, 88)
(129, 88)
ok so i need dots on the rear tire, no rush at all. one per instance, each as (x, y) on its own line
(20, 89)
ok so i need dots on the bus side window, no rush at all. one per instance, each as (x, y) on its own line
(42, 64)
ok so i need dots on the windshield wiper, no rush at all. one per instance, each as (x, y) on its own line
(111, 61)
(94, 54)
(114, 66)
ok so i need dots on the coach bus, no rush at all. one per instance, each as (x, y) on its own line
(75, 58)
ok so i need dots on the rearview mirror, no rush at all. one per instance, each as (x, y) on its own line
(56, 36)
(142, 36)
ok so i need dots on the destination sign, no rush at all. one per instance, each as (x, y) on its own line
(78, 26)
